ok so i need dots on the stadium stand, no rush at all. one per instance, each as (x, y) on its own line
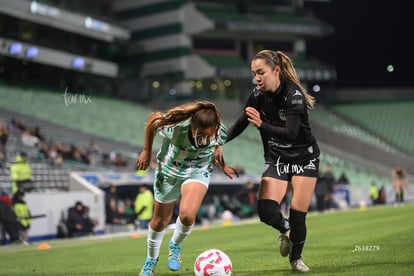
(338, 124)
(386, 119)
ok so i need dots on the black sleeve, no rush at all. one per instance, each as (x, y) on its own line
(289, 132)
(237, 128)
(241, 123)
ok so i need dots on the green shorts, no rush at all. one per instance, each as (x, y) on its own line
(167, 188)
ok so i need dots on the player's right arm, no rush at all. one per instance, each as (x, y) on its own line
(144, 158)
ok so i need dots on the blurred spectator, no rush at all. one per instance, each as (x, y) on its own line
(94, 152)
(382, 195)
(343, 179)
(8, 220)
(228, 203)
(94, 147)
(321, 191)
(144, 206)
(247, 196)
(29, 140)
(399, 180)
(4, 137)
(21, 174)
(44, 152)
(114, 217)
(23, 216)
(16, 126)
(374, 194)
(329, 182)
(78, 154)
(129, 211)
(55, 157)
(117, 159)
(89, 223)
(5, 197)
(36, 132)
(76, 223)
(111, 195)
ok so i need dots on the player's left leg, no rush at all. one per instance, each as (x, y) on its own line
(192, 195)
(156, 230)
(303, 189)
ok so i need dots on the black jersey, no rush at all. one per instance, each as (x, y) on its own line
(285, 130)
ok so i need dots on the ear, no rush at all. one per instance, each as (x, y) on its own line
(276, 71)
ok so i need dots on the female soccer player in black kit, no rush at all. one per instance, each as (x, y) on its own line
(278, 108)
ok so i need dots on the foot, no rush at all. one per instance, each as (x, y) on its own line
(174, 257)
(149, 266)
(284, 244)
(299, 265)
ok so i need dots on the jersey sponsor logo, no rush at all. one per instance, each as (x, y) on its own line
(297, 101)
(297, 92)
(311, 165)
(275, 143)
(284, 168)
(186, 165)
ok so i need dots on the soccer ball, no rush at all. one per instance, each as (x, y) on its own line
(213, 262)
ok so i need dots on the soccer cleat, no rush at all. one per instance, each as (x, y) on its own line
(174, 257)
(149, 266)
(284, 244)
(299, 265)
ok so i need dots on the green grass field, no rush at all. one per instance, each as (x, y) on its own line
(376, 241)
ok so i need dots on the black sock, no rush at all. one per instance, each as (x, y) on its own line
(297, 234)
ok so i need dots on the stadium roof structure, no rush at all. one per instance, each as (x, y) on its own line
(165, 35)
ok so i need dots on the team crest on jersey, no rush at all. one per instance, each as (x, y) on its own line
(282, 114)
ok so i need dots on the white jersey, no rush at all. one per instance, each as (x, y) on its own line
(179, 157)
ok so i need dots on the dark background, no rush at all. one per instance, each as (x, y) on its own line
(369, 36)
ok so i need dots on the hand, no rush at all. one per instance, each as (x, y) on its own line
(228, 171)
(253, 116)
(143, 160)
(218, 157)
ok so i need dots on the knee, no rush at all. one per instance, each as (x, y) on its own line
(187, 218)
(268, 211)
(159, 223)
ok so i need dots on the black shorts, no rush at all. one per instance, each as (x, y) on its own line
(285, 171)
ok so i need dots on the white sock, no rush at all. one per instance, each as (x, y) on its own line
(154, 241)
(181, 232)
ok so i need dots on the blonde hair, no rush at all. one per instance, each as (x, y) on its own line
(287, 70)
(203, 115)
